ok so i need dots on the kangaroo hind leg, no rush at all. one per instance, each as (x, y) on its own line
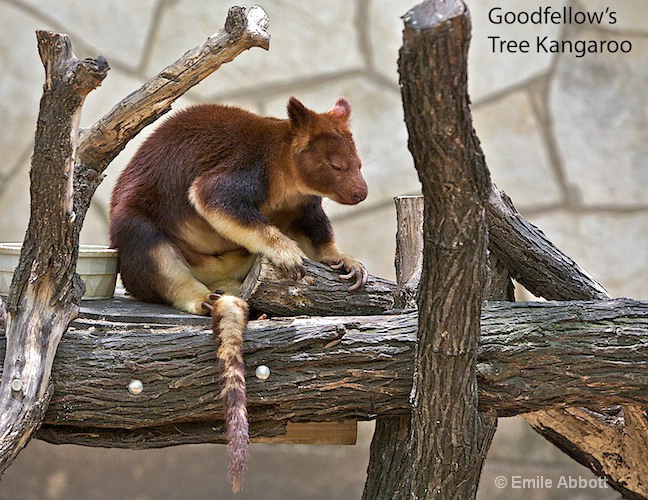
(176, 282)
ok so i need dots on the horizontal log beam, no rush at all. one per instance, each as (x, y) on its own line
(210, 431)
(532, 356)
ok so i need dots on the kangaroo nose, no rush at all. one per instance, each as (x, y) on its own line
(360, 194)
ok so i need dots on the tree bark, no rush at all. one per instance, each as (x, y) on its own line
(388, 446)
(389, 442)
(320, 293)
(448, 438)
(152, 437)
(546, 271)
(532, 356)
(3, 314)
(45, 290)
(543, 269)
(409, 250)
(532, 258)
(65, 172)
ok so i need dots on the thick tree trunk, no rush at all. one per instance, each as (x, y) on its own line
(388, 445)
(532, 356)
(579, 432)
(542, 268)
(66, 170)
(448, 438)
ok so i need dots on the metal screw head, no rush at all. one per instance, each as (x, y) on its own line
(16, 385)
(135, 387)
(262, 372)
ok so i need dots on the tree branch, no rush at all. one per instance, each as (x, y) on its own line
(532, 258)
(45, 290)
(320, 293)
(547, 272)
(101, 142)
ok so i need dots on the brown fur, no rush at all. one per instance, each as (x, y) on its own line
(229, 318)
(213, 187)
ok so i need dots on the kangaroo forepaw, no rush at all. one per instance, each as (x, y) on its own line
(354, 268)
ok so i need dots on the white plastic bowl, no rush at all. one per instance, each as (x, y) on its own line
(97, 266)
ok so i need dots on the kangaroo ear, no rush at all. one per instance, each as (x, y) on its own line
(341, 108)
(299, 114)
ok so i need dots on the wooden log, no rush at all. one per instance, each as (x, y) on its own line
(532, 356)
(269, 432)
(391, 432)
(547, 272)
(532, 258)
(320, 293)
(617, 451)
(209, 431)
(409, 250)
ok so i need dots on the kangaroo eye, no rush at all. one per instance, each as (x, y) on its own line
(335, 166)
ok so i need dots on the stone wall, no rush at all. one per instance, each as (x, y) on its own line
(565, 136)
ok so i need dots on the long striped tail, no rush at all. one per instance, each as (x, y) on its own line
(229, 319)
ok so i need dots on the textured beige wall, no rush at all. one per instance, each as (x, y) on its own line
(565, 137)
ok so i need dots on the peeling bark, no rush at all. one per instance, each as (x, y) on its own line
(45, 290)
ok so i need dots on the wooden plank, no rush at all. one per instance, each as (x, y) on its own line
(123, 308)
(340, 433)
